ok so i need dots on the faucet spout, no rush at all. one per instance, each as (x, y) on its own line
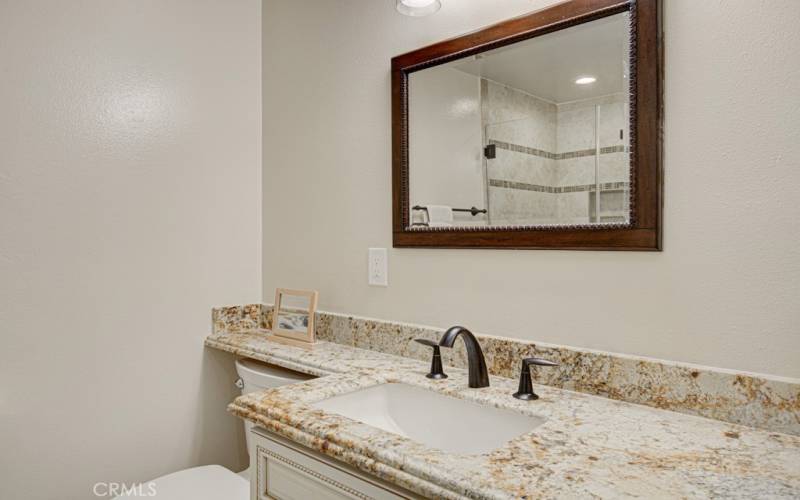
(478, 375)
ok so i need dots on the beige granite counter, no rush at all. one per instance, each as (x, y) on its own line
(767, 402)
(589, 446)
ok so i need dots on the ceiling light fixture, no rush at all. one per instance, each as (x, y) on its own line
(418, 8)
(585, 80)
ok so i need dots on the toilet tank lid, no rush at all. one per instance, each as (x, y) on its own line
(267, 375)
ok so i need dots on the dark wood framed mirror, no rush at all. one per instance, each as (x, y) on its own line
(540, 132)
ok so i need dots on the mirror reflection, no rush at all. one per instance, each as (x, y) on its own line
(531, 134)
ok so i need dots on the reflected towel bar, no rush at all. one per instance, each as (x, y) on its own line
(474, 211)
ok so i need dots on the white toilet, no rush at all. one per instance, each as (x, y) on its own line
(256, 376)
(214, 482)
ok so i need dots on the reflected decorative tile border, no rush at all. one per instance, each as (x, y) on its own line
(517, 148)
(771, 403)
(604, 186)
(524, 186)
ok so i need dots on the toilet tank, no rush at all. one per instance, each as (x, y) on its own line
(257, 376)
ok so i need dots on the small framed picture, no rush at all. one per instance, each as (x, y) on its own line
(293, 317)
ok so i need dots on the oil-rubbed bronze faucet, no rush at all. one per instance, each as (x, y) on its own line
(436, 363)
(525, 391)
(478, 375)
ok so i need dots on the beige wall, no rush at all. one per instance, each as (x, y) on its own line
(725, 290)
(129, 206)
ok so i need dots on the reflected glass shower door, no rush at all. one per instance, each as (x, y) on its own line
(612, 206)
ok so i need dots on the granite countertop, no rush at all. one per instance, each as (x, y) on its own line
(589, 446)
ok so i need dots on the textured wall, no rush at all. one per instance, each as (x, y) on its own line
(130, 172)
(724, 291)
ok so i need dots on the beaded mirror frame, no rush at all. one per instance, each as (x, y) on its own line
(644, 230)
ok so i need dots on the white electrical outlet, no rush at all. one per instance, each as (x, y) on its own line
(378, 267)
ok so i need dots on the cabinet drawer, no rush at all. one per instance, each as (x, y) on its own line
(287, 471)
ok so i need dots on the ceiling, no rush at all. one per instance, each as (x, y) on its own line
(547, 66)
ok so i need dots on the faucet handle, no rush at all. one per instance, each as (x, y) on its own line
(525, 390)
(429, 343)
(436, 363)
(527, 362)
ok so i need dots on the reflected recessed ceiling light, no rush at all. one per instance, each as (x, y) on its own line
(585, 80)
(418, 8)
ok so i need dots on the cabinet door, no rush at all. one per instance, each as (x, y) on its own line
(285, 471)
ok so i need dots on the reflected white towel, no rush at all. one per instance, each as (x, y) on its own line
(439, 215)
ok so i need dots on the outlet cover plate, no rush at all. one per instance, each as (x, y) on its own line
(378, 267)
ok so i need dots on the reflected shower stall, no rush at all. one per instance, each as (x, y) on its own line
(560, 164)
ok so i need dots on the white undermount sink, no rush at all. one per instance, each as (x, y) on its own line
(433, 419)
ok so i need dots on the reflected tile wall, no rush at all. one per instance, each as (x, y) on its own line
(513, 206)
(519, 120)
(574, 207)
(545, 155)
(576, 124)
(516, 117)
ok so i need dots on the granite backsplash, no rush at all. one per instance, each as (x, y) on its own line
(770, 403)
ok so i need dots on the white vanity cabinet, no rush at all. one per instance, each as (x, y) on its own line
(287, 471)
